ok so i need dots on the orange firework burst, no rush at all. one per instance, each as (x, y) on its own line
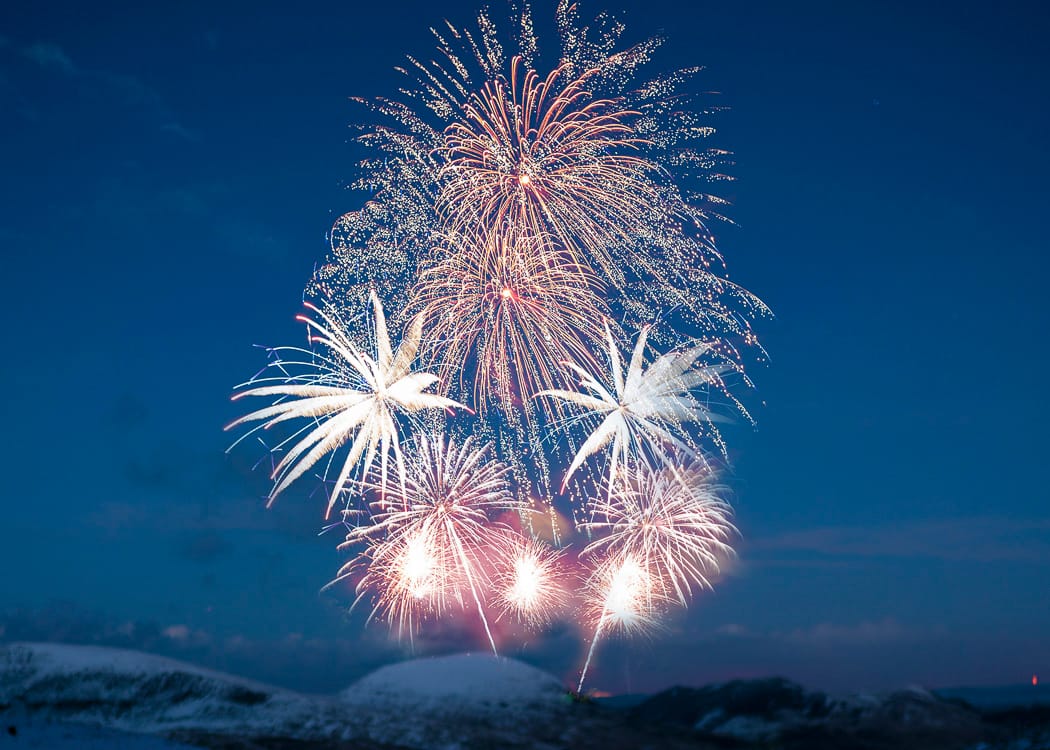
(544, 155)
(509, 312)
(587, 158)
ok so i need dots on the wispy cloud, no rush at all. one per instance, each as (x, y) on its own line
(121, 86)
(50, 55)
(985, 539)
(828, 634)
(887, 630)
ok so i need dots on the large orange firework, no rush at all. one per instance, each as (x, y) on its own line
(502, 316)
(609, 167)
(546, 157)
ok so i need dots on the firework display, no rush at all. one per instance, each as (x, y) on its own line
(528, 221)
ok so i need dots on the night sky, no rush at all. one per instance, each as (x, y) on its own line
(168, 179)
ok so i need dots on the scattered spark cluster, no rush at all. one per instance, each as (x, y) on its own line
(523, 229)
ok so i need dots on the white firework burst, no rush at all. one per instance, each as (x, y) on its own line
(349, 396)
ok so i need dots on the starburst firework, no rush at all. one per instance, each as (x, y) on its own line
(643, 415)
(349, 395)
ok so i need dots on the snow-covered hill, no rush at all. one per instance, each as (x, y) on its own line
(426, 703)
(136, 692)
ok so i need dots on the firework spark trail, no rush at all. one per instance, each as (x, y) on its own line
(623, 597)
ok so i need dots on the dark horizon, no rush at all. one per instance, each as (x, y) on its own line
(171, 175)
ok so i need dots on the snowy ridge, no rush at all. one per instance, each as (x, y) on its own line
(136, 692)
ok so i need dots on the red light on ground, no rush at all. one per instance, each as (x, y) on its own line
(1035, 679)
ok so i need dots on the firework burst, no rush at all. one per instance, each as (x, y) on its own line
(644, 413)
(348, 395)
(519, 218)
(507, 314)
(620, 596)
(544, 155)
(608, 166)
(672, 521)
(656, 534)
(429, 545)
(533, 586)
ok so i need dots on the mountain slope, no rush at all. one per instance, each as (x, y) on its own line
(137, 692)
(84, 698)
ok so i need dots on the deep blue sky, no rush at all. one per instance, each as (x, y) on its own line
(168, 177)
